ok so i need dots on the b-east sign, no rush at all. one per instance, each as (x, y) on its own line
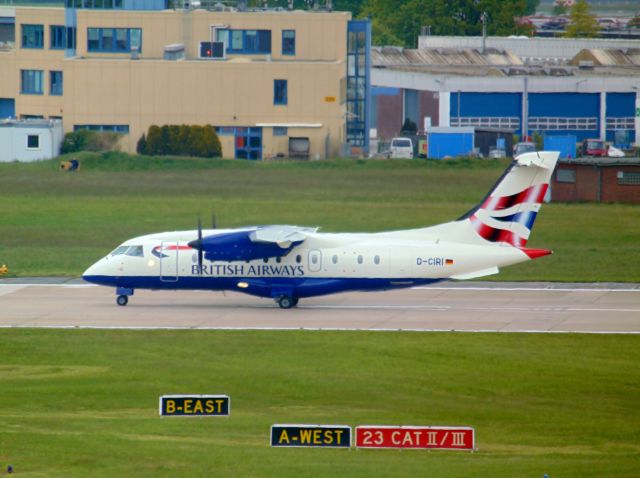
(194, 405)
(443, 438)
(334, 436)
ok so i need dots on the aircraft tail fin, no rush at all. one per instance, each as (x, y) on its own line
(509, 210)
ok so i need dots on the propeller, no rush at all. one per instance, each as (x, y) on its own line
(197, 244)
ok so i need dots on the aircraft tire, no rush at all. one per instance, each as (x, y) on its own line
(122, 300)
(286, 301)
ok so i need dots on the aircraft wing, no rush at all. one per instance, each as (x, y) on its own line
(261, 242)
(283, 236)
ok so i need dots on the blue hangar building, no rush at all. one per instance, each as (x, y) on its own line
(585, 88)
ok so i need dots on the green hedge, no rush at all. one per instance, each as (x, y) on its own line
(87, 140)
(180, 140)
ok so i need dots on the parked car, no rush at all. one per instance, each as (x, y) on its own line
(523, 147)
(401, 148)
(594, 147)
(497, 153)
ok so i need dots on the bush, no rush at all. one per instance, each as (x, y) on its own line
(87, 140)
(141, 146)
(181, 140)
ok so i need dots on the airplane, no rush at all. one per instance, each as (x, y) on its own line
(288, 263)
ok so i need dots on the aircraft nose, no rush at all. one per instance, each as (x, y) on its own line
(93, 272)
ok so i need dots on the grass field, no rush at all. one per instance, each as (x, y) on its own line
(80, 403)
(56, 223)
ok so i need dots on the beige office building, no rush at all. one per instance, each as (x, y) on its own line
(270, 81)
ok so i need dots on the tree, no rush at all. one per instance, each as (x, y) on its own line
(559, 9)
(141, 146)
(153, 140)
(582, 24)
(182, 140)
(404, 19)
(531, 6)
(634, 22)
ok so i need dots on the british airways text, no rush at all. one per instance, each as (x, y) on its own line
(244, 270)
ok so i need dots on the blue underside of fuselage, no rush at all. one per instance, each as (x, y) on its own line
(299, 287)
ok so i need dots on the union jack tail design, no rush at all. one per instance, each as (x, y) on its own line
(509, 210)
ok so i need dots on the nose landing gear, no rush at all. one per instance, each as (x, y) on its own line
(123, 294)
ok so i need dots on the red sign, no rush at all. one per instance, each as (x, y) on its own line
(441, 438)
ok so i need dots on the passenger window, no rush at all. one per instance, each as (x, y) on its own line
(314, 259)
(299, 259)
(376, 260)
(360, 259)
(334, 259)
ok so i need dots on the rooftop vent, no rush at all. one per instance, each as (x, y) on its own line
(174, 51)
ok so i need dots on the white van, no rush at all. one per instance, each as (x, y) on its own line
(401, 148)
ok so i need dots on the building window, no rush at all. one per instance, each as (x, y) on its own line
(211, 49)
(107, 40)
(288, 42)
(93, 4)
(508, 122)
(566, 175)
(226, 131)
(32, 36)
(256, 42)
(71, 37)
(561, 123)
(280, 131)
(627, 178)
(31, 82)
(57, 37)
(33, 141)
(279, 92)
(114, 40)
(357, 97)
(115, 128)
(621, 123)
(55, 83)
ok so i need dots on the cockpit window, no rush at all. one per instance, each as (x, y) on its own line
(119, 250)
(135, 251)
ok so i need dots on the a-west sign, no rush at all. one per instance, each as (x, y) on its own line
(194, 405)
(414, 437)
(322, 436)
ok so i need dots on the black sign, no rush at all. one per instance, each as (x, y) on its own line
(194, 405)
(333, 436)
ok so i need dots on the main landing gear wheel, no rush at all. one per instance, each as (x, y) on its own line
(122, 300)
(286, 302)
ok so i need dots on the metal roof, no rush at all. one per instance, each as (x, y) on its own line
(609, 57)
(399, 57)
(588, 161)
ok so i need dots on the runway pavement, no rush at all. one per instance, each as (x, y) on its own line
(486, 306)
